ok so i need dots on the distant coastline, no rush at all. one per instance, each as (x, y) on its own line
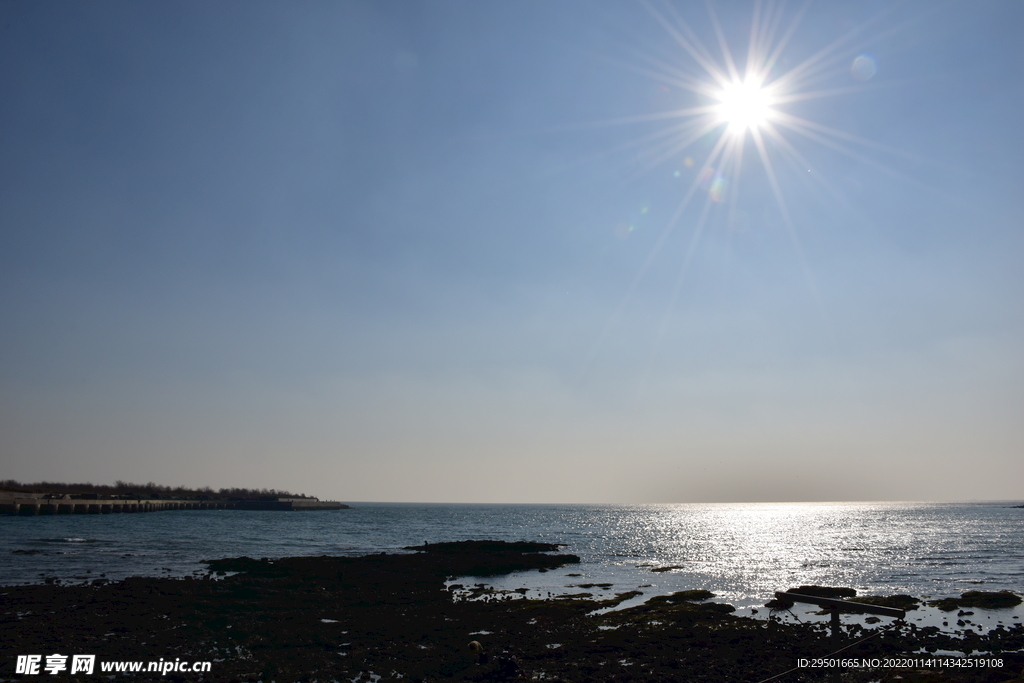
(43, 498)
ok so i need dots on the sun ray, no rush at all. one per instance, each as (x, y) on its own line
(865, 159)
(755, 38)
(799, 161)
(671, 76)
(691, 249)
(692, 129)
(773, 58)
(797, 124)
(733, 154)
(652, 255)
(711, 66)
(731, 149)
(700, 130)
(659, 71)
(691, 43)
(784, 209)
(826, 57)
(723, 45)
(807, 95)
(669, 115)
(737, 173)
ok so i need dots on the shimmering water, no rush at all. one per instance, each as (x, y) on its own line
(742, 552)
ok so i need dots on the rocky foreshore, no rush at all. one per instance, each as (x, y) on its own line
(393, 616)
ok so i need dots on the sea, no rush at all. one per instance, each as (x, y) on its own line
(743, 553)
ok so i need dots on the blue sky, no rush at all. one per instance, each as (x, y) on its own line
(437, 251)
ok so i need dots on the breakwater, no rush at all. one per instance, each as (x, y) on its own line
(17, 503)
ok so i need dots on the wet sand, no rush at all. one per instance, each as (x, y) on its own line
(343, 618)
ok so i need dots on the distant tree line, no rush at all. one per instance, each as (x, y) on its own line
(150, 490)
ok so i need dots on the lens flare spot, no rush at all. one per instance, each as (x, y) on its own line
(624, 230)
(706, 176)
(717, 189)
(712, 182)
(863, 68)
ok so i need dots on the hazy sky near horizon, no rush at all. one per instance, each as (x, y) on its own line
(443, 251)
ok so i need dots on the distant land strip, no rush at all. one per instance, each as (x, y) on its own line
(45, 498)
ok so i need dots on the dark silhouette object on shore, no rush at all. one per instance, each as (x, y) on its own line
(476, 648)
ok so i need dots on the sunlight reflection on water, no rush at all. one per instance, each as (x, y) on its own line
(746, 552)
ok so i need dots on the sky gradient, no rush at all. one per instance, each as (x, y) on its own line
(437, 251)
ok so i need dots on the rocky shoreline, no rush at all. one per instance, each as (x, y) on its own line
(343, 618)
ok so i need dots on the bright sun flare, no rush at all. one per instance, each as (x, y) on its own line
(744, 105)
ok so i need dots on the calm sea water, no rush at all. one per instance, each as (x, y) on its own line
(742, 552)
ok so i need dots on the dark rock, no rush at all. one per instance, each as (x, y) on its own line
(983, 599)
(824, 591)
(467, 547)
(779, 604)
(683, 596)
(901, 601)
(989, 599)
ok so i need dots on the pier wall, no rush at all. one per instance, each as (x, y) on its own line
(41, 504)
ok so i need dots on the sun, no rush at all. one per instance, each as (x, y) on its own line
(744, 105)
